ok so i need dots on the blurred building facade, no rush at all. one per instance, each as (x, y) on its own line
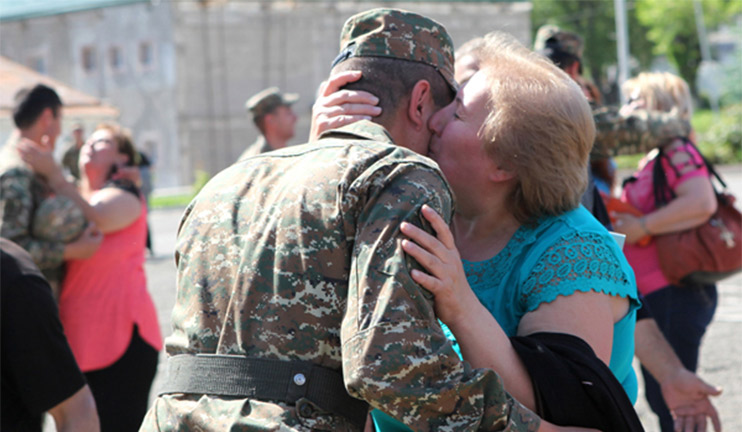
(180, 71)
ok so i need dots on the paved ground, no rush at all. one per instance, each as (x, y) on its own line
(721, 359)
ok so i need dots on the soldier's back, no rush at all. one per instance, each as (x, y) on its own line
(264, 257)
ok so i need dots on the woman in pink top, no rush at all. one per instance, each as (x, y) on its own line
(682, 312)
(106, 310)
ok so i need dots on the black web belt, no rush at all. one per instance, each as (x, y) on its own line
(264, 379)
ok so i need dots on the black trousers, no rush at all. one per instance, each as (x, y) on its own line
(121, 391)
(683, 314)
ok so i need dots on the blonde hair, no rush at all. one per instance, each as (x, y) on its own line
(540, 127)
(662, 91)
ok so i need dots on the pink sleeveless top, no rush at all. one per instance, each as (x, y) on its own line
(640, 194)
(104, 296)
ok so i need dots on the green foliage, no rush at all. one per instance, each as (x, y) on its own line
(672, 28)
(595, 22)
(167, 201)
(720, 139)
(731, 86)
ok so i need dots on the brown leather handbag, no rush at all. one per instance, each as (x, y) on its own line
(707, 253)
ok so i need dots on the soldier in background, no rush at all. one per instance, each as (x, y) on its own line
(292, 283)
(272, 114)
(51, 228)
(72, 154)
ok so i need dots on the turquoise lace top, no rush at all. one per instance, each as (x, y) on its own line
(559, 256)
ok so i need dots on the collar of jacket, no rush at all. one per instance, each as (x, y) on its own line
(363, 129)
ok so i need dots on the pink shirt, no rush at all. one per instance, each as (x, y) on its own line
(104, 296)
(640, 194)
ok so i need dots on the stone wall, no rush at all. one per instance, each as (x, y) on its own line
(186, 107)
(228, 51)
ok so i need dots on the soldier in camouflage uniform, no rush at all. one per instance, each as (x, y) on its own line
(49, 227)
(272, 114)
(295, 255)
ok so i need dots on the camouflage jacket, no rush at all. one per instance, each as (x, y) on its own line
(638, 133)
(295, 255)
(21, 194)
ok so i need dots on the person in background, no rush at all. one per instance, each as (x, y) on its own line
(275, 119)
(642, 127)
(39, 373)
(107, 313)
(51, 228)
(72, 154)
(682, 312)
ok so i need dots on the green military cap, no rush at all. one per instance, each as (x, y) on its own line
(398, 34)
(264, 102)
(58, 219)
(570, 43)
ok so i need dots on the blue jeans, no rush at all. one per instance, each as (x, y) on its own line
(682, 313)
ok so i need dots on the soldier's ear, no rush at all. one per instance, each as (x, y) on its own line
(420, 105)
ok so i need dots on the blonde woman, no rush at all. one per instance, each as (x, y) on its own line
(682, 312)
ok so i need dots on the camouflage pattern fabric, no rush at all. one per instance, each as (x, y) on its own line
(59, 219)
(21, 194)
(295, 255)
(638, 133)
(259, 146)
(401, 35)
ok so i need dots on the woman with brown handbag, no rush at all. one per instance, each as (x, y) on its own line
(683, 312)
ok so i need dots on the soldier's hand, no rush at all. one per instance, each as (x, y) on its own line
(335, 108)
(86, 245)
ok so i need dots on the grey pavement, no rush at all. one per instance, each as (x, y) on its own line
(721, 353)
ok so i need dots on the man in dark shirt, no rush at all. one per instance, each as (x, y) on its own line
(39, 372)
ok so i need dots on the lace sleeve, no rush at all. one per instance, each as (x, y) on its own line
(576, 262)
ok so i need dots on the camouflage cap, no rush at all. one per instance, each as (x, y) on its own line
(398, 34)
(264, 102)
(570, 43)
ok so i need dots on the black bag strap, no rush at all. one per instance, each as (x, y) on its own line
(659, 179)
(264, 379)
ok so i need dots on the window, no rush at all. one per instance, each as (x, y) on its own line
(115, 58)
(88, 59)
(146, 55)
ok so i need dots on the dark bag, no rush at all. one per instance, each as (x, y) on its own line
(707, 253)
